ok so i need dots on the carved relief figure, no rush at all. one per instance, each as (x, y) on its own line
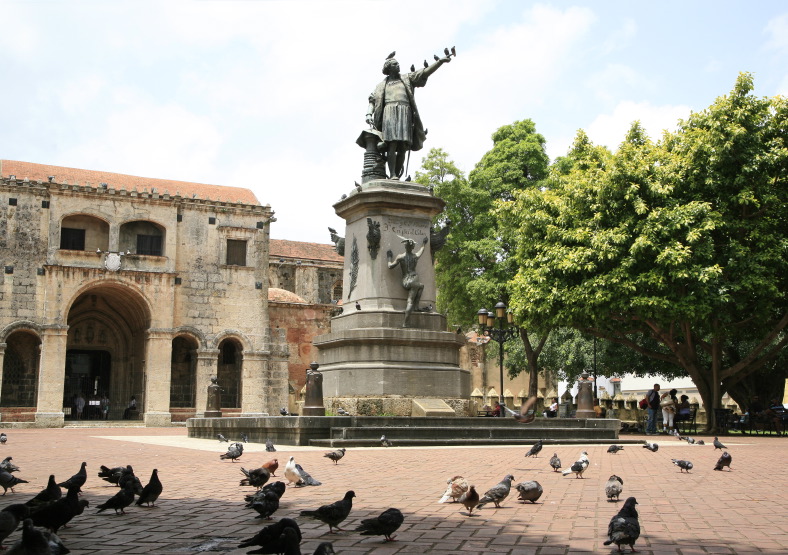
(410, 279)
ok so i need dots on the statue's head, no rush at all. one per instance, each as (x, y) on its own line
(390, 66)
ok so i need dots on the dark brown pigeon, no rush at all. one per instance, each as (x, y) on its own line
(470, 499)
(383, 525)
(725, 460)
(77, 479)
(334, 513)
(271, 533)
(624, 528)
(151, 492)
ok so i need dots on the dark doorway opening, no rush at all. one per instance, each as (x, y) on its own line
(87, 377)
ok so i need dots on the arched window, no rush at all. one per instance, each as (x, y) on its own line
(142, 237)
(80, 232)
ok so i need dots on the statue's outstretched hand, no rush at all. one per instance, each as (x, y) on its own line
(389, 254)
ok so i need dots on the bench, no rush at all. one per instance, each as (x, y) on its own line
(687, 425)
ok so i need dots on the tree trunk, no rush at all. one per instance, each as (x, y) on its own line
(532, 359)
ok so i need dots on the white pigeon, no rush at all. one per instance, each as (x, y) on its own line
(578, 467)
(456, 487)
(291, 472)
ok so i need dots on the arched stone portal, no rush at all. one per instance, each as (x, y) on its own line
(229, 372)
(20, 375)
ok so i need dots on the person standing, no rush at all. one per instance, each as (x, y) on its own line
(653, 399)
(668, 404)
(105, 407)
(132, 407)
(80, 403)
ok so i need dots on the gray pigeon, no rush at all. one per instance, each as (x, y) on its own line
(700, 442)
(50, 493)
(111, 475)
(614, 487)
(653, 447)
(718, 444)
(497, 493)
(533, 451)
(10, 517)
(615, 449)
(257, 477)
(624, 528)
(383, 525)
(271, 533)
(690, 441)
(77, 479)
(128, 477)
(221, 438)
(8, 481)
(151, 492)
(325, 548)
(3, 438)
(119, 501)
(529, 491)
(233, 452)
(335, 455)
(8, 466)
(288, 541)
(306, 478)
(725, 460)
(683, 465)
(333, 513)
(269, 446)
(555, 462)
(265, 504)
(34, 541)
(244, 437)
(385, 442)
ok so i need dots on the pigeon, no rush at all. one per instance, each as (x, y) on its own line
(50, 493)
(533, 451)
(683, 465)
(614, 487)
(681, 438)
(334, 513)
(269, 446)
(342, 412)
(454, 51)
(335, 455)
(60, 512)
(8, 481)
(291, 472)
(690, 441)
(394, 53)
(287, 541)
(306, 478)
(383, 525)
(555, 462)
(579, 466)
(265, 504)
(221, 438)
(470, 499)
(624, 528)
(412, 68)
(456, 487)
(653, 447)
(257, 477)
(271, 466)
(244, 438)
(10, 517)
(151, 492)
(34, 541)
(436, 57)
(284, 412)
(233, 452)
(724, 460)
(385, 442)
(77, 479)
(119, 501)
(8, 466)
(529, 491)
(718, 444)
(497, 493)
(271, 533)
(278, 487)
(700, 442)
(111, 475)
(128, 477)
(426, 64)
(358, 305)
(3, 438)
(324, 548)
(615, 449)
(446, 52)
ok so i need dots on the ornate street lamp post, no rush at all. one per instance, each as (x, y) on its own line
(503, 332)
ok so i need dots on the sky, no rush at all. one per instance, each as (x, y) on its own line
(271, 95)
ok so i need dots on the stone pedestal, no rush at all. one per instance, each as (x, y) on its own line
(368, 352)
(585, 398)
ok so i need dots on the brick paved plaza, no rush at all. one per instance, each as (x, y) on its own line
(202, 508)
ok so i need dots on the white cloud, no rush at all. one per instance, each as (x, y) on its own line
(777, 30)
(616, 79)
(610, 129)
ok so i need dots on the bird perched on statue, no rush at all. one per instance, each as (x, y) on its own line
(470, 499)
(534, 450)
(615, 449)
(624, 528)
(333, 513)
(10, 517)
(271, 466)
(718, 444)
(221, 438)
(497, 493)
(385, 442)
(119, 501)
(683, 465)
(614, 487)
(50, 493)
(653, 447)
(555, 462)
(8, 481)
(257, 477)
(335, 455)
(579, 466)
(383, 525)
(724, 460)
(358, 305)
(8, 466)
(426, 64)
(151, 491)
(269, 446)
(412, 68)
(394, 53)
(454, 490)
(529, 491)
(77, 479)
(234, 451)
(271, 533)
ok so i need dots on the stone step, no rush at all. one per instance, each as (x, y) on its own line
(457, 433)
(425, 442)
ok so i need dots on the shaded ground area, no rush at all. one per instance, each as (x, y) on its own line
(202, 508)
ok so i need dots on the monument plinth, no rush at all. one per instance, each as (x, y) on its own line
(374, 348)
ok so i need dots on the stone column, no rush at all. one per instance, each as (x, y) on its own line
(158, 378)
(585, 397)
(254, 383)
(206, 366)
(51, 375)
(2, 359)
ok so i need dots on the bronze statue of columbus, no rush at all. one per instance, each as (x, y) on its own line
(392, 111)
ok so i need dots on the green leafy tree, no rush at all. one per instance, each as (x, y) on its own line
(676, 250)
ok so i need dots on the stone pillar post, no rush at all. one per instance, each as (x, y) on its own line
(51, 373)
(585, 397)
(158, 378)
(2, 359)
(207, 363)
(254, 383)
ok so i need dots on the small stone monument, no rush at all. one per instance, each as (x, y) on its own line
(214, 403)
(313, 400)
(585, 397)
